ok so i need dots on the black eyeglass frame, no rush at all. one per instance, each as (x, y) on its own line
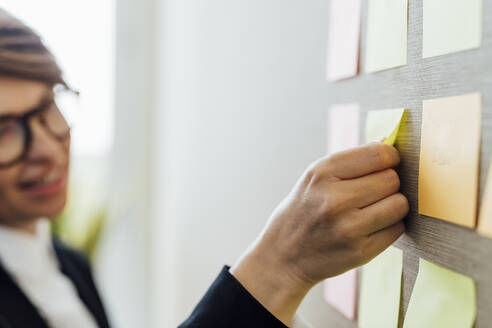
(24, 123)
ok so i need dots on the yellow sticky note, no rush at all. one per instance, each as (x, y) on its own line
(386, 43)
(379, 303)
(441, 299)
(485, 218)
(449, 158)
(451, 26)
(383, 125)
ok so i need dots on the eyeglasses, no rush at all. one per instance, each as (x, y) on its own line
(16, 134)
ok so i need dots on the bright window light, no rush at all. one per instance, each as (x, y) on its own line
(81, 35)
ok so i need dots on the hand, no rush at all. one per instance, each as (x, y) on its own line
(343, 212)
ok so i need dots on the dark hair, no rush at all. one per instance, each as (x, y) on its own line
(23, 54)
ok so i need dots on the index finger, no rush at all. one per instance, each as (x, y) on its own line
(363, 160)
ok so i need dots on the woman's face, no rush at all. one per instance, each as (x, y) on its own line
(37, 186)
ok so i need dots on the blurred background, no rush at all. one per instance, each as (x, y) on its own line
(197, 118)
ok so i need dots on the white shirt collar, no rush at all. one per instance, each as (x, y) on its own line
(22, 253)
(32, 263)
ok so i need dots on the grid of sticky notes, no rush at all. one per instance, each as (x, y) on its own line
(449, 26)
(451, 138)
(449, 157)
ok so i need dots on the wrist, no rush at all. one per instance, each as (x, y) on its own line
(271, 284)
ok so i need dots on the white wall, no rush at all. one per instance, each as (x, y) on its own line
(241, 111)
(123, 259)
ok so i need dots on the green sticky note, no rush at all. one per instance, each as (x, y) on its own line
(379, 300)
(386, 37)
(441, 299)
(451, 26)
(383, 125)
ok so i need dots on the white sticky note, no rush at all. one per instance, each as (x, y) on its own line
(451, 26)
(344, 39)
(386, 40)
(343, 127)
(341, 293)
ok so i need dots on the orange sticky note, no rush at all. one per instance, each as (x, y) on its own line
(449, 158)
(485, 219)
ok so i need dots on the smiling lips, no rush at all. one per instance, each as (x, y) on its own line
(49, 184)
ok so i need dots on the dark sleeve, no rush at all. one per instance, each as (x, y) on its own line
(228, 304)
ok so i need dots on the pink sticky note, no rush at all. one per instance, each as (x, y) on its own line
(341, 293)
(343, 127)
(344, 39)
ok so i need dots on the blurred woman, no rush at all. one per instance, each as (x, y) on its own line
(42, 282)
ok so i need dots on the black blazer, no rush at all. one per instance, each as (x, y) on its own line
(227, 304)
(16, 311)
